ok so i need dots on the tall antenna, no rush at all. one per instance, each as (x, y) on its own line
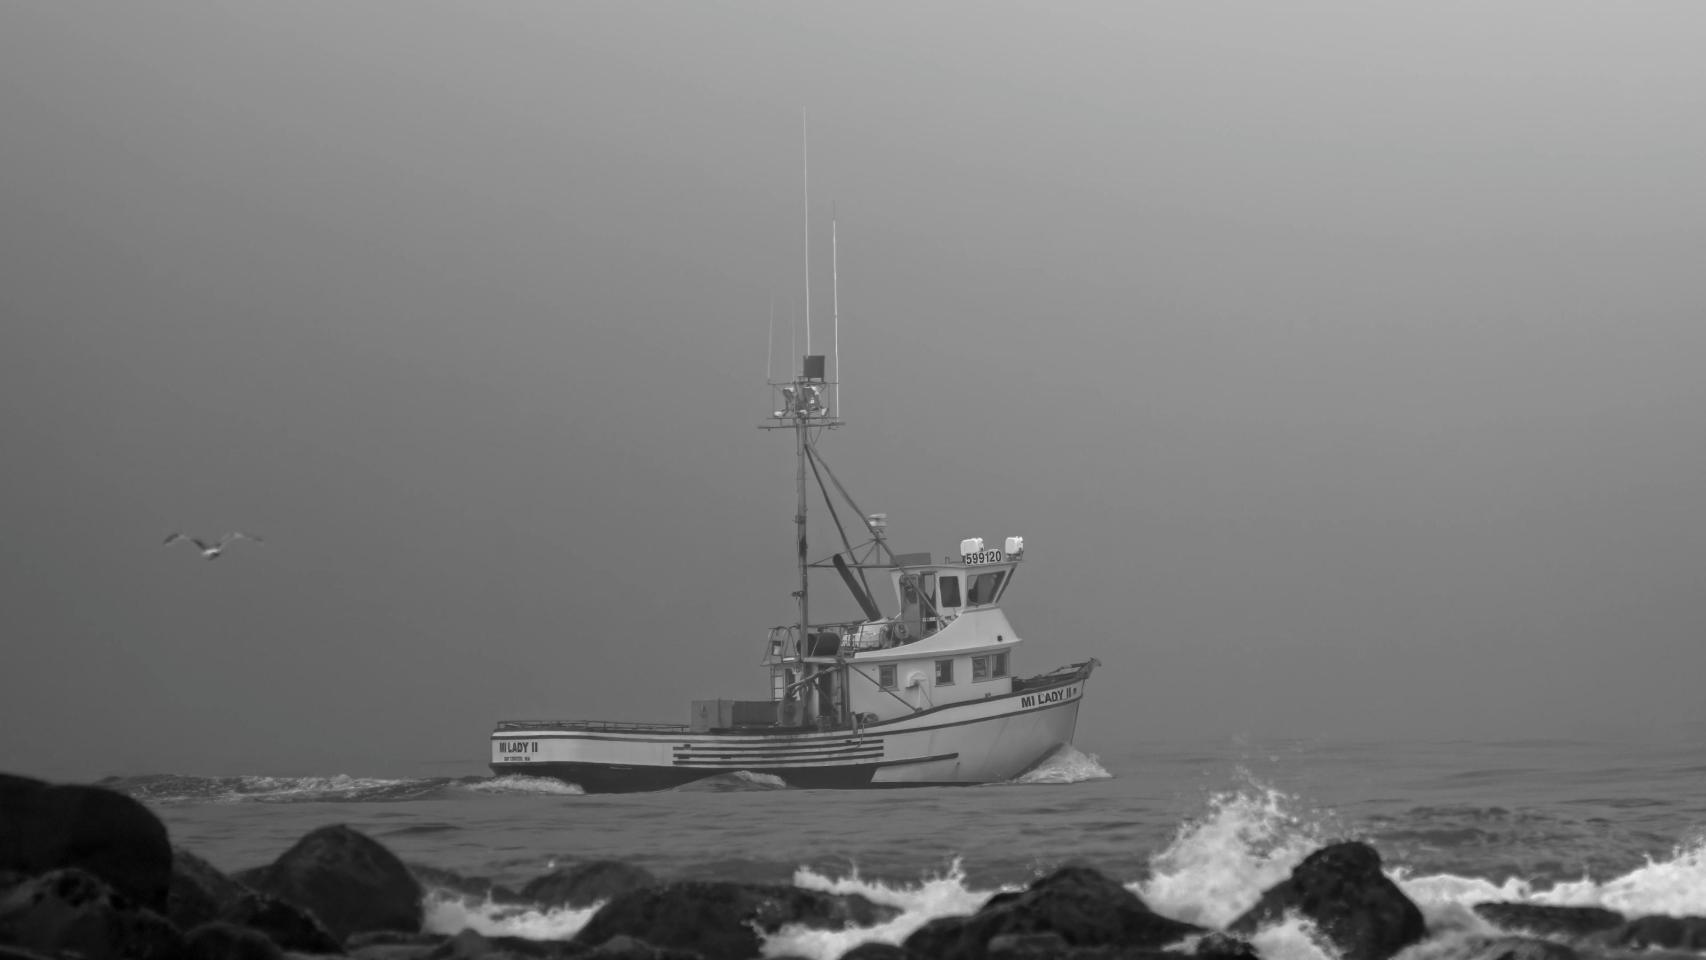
(835, 304)
(806, 193)
(770, 341)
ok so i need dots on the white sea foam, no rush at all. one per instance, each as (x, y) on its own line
(1294, 938)
(518, 783)
(1218, 865)
(1675, 886)
(935, 896)
(449, 914)
(1066, 765)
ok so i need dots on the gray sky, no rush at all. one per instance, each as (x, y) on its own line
(1341, 363)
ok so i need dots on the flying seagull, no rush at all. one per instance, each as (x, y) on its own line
(211, 551)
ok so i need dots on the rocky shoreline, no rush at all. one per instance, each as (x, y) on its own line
(91, 873)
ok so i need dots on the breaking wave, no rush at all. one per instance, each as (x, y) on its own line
(1066, 765)
(448, 913)
(1215, 867)
(175, 788)
(1675, 886)
(735, 782)
(518, 783)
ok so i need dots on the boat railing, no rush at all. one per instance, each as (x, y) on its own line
(1057, 676)
(783, 642)
(607, 726)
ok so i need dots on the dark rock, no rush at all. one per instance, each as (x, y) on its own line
(935, 937)
(76, 912)
(587, 883)
(227, 941)
(1670, 933)
(470, 945)
(1079, 904)
(47, 827)
(1520, 948)
(200, 894)
(873, 950)
(717, 919)
(623, 947)
(467, 945)
(392, 938)
(1340, 887)
(1548, 920)
(347, 880)
(1027, 946)
(285, 924)
(1220, 946)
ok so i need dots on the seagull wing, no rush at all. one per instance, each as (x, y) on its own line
(239, 535)
(172, 538)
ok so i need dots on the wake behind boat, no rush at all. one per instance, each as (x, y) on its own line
(926, 694)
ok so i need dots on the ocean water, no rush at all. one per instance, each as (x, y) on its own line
(1196, 829)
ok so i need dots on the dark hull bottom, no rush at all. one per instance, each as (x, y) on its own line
(610, 778)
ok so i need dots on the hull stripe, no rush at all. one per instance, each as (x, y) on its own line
(759, 740)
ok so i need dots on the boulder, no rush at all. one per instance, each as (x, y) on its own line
(47, 827)
(874, 950)
(1518, 948)
(720, 920)
(287, 925)
(75, 912)
(201, 893)
(227, 941)
(1668, 933)
(1027, 946)
(1355, 906)
(347, 880)
(587, 883)
(1220, 946)
(1080, 905)
(1547, 921)
(623, 947)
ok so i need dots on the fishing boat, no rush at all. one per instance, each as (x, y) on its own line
(926, 692)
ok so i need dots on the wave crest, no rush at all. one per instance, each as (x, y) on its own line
(1066, 765)
(523, 784)
(1218, 865)
(1675, 886)
(340, 788)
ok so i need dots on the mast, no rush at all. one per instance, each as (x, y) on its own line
(835, 303)
(801, 406)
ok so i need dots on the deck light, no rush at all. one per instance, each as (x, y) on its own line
(1015, 546)
(971, 545)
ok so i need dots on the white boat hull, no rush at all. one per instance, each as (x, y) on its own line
(981, 741)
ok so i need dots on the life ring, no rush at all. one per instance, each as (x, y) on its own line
(901, 634)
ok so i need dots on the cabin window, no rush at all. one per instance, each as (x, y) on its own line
(944, 672)
(979, 668)
(985, 586)
(950, 591)
(885, 676)
(1001, 664)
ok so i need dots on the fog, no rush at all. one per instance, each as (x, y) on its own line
(1340, 364)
